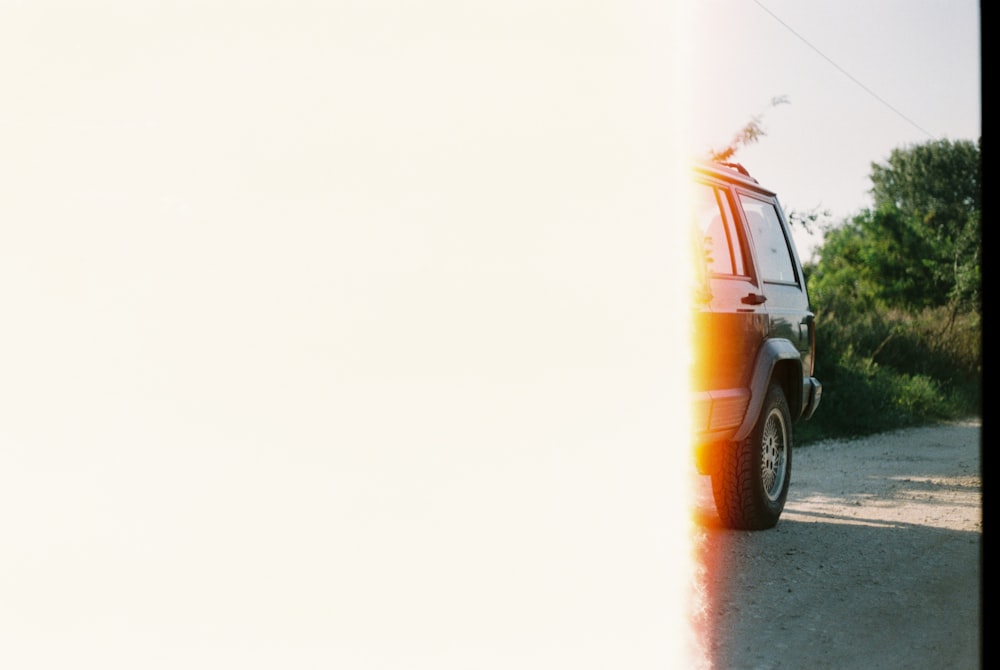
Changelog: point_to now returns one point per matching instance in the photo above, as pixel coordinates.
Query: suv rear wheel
(751, 484)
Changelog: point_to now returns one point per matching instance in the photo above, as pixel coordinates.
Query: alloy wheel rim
(774, 454)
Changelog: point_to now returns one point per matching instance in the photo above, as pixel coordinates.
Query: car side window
(713, 219)
(774, 256)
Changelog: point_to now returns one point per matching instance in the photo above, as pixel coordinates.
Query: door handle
(753, 299)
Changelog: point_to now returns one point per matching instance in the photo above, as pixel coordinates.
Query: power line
(845, 72)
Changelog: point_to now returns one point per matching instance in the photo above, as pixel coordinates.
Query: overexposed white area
(341, 335)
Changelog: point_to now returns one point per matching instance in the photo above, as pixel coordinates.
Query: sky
(861, 79)
(350, 334)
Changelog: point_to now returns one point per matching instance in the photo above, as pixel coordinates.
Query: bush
(887, 370)
(898, 297)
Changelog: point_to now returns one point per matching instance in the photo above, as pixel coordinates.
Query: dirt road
(875, 563)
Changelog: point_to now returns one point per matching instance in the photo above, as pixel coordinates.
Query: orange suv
(754, 345)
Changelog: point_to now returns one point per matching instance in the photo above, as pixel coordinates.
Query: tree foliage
(937, 188)
(896, 290)
(937, 183)
(921, 244)
(878, 259)
(745, 136)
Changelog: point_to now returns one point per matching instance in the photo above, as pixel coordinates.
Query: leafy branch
(747, 135)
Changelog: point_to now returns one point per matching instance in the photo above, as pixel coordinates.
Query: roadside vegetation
(898, 299)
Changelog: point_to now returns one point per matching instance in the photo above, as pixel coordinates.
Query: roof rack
(739, 168)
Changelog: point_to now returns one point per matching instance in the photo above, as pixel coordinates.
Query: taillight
(812, 346)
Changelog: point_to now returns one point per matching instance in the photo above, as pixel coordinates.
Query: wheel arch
(778, 361)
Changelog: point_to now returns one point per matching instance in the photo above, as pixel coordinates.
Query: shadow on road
(877, 571)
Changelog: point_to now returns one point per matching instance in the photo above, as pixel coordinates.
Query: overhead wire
(845, 72)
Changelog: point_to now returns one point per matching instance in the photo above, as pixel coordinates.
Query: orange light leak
(692, 643)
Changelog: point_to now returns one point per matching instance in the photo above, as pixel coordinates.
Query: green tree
(920, 246)
(936, 189)
(877, 259)
(897, 295)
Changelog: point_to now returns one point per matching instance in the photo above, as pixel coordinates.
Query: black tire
(750, 484)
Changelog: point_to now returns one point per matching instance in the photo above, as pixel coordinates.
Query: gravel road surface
(875, 563)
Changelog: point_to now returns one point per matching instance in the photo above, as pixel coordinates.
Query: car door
(783, 285)
(729, 316)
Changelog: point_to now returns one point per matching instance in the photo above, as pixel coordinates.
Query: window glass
(735, 243)
(774, 258)
(713, 221)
